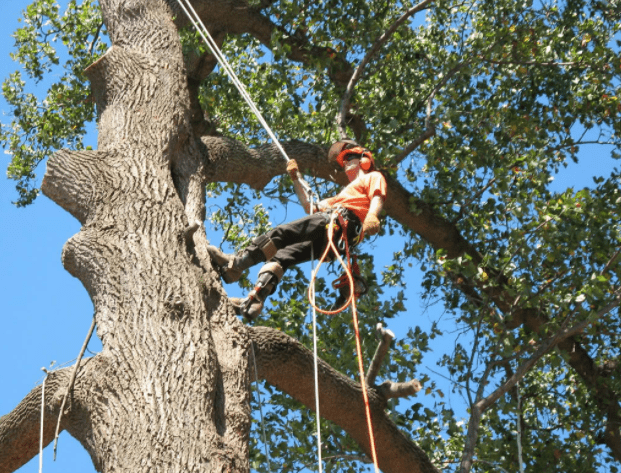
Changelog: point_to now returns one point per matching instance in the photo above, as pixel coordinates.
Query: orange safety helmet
(341, 149)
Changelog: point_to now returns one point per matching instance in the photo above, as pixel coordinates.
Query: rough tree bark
(170, 389)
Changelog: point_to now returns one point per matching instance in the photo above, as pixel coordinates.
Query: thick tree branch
(231, 161)
(285, 363)
(20, 428)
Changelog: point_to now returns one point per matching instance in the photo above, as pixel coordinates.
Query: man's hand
(300, 186)
(292, 169)
(371, 225)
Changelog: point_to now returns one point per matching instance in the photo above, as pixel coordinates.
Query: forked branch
(388, 389)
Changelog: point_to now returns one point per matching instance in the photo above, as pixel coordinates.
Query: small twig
(543, 64)
(92, 45)
(472, 434)
(71, 382)
(610, 261)
(526, 235)
(340, 118)
(450, 380)
(428, 133)
(430, 129)
(472, 355)
(495, 465)
(469, 202)
(228, 229)
(359, 458)
(380, 353)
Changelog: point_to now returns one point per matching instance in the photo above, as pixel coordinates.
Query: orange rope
(332, 246)
(351, 301)
(365, 395)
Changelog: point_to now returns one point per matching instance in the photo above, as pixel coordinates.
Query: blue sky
(46, 312)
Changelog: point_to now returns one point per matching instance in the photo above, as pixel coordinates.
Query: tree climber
(289, 244)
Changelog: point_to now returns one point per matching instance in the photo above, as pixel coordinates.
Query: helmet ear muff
(366, 162)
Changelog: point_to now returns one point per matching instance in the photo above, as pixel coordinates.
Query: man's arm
(376, 206)
(371, 224)
(300, 189)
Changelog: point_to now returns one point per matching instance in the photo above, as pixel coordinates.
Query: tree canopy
(471, 110)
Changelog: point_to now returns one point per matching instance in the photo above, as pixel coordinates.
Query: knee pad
(266, 245)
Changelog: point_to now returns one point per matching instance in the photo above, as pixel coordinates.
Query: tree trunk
(171, 391)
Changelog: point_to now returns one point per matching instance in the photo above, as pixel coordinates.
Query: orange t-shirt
(358, 194)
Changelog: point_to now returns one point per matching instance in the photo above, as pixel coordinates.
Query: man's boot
(270, 275)
(232, 266)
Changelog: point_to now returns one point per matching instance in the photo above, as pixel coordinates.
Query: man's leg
(305, 237)
(269, 276)
(271, 273)
(232, 266)
(265, 247)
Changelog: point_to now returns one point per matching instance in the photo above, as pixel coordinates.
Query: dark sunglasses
(349, 157)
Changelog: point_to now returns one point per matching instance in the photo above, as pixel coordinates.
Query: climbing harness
(215, 50)
(341, 284)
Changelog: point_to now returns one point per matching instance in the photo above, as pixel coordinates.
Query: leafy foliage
(42, 126)
(516, 91)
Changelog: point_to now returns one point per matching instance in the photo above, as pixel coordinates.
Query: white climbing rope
(256, 381)
(215, 50)
(42, 417)
(315, 357)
